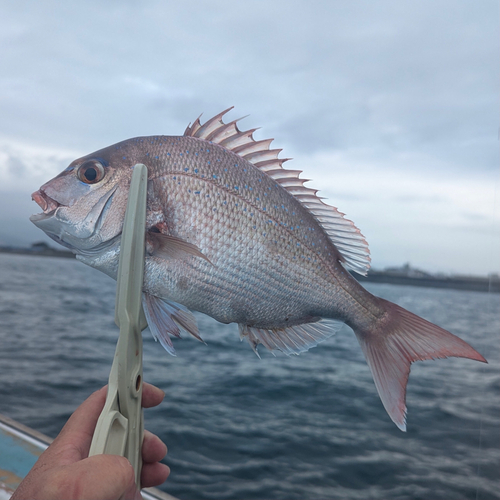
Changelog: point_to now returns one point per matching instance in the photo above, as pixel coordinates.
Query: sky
(390, 107)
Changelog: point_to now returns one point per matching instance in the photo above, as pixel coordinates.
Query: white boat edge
(34, 443)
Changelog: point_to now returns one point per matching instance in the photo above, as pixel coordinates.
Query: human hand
(66, 472)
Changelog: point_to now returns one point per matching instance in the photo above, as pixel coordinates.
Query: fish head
(84, 206)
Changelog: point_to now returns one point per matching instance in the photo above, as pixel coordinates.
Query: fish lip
(46, 203)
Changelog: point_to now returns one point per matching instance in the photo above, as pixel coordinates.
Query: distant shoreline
(471, 283)
(398, 276)
(42, 251)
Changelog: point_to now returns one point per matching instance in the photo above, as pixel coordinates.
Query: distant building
(40, 246)
(407, 270)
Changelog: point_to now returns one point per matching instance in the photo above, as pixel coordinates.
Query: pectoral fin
(170, 247)
(167, 318)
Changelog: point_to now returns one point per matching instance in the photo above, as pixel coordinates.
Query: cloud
(434, 220)
(392, 90)
(24, 166)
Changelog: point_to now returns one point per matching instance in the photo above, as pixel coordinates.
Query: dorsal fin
(341, 231)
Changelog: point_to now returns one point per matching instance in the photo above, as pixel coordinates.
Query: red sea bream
(233, 234)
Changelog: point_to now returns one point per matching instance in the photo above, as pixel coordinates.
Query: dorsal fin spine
(266, 154)
(238, 139)
(253, 147)
(269, 165)
(281, 172)
(191, 129)
(222, 133)
(209, 126)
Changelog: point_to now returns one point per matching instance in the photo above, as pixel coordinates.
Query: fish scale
(265, 233)
(233, 234)
(210, 169)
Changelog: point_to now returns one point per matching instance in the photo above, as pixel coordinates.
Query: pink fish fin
(167, 318)
(170, 247)
(342, 232)
(205, 130)
(400, 339)
(290, 340)
(192, 129)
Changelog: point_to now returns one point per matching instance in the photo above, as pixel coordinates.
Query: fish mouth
(46, 203)
(60, 229)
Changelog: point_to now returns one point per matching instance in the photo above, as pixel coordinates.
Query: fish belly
(270, 294)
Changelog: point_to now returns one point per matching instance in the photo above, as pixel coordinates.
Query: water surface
(309, 426)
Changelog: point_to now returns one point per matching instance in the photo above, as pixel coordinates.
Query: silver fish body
(234, 235)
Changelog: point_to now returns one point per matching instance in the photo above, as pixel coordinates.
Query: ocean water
(308, 426)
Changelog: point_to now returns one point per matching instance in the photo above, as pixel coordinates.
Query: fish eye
(91, 172)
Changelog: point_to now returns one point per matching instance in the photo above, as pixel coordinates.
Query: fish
(233, 234)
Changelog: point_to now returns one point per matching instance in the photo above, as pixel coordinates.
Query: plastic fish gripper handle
(120, 427)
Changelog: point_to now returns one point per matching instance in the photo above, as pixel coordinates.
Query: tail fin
(398, 340)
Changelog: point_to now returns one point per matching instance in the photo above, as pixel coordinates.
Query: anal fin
(290, 340)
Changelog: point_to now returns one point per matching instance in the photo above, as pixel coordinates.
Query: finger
(154, 474)
(151, 395)
(153, 448)
(73, 442)
(85, 416)
(97, 477)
